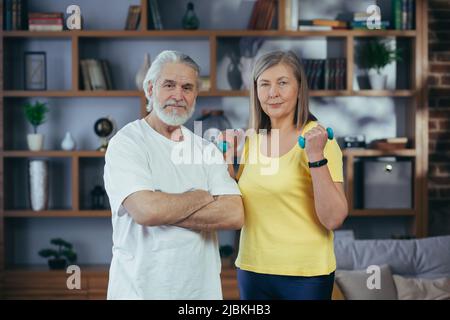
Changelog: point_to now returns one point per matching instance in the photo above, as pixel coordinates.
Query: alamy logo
(74, 280)
(374, 280)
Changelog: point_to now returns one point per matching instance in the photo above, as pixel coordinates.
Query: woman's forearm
(330, 202)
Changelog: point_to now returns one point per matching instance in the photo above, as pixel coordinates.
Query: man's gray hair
(167, 56)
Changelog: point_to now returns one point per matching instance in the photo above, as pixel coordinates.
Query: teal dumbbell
(222, 145)
(302, 141)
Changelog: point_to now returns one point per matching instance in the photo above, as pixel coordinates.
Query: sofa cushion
(427, 258)
(422, 289)
(353, 285)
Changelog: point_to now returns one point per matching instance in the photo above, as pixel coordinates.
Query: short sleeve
(126, 171)
(243, 159)
(333, 154)
(219, 179)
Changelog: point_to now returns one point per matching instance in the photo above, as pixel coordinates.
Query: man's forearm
(160, 208)
(227, 212)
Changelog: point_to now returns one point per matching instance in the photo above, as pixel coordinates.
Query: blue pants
(259, 286)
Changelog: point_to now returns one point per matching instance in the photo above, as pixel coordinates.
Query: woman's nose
(273, 91)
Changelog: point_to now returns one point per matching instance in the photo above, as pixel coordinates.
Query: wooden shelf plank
(52, 154)
(57, 214)
(44, 153)
(206, 33)
(381, 212)
(80, 93)
(384, 93)
(45, 271)
(71, 93)
(378, 153)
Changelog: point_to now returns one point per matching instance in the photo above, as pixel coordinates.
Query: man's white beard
(172, 118)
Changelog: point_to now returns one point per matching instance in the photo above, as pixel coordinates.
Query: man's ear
(150, 88)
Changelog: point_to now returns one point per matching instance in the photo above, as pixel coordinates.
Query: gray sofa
(410, 269)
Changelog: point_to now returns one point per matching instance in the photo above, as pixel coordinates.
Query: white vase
(68, 142)
(35, 141)
(377, 81)
(38, 180)
(142, 72)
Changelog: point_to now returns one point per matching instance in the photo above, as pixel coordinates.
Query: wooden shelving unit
(418, 121)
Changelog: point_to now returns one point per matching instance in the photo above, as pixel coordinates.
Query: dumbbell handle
(222, 145)
(302, 141)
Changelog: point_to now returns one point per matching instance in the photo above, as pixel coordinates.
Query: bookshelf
(207, 45)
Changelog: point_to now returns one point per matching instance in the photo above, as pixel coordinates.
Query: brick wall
(439, 116)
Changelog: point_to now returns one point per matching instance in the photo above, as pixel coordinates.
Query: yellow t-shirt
(282, 234)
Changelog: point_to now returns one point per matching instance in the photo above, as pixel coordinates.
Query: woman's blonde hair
(258, 118)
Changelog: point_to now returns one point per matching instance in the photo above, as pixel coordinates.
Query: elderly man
(165, 212)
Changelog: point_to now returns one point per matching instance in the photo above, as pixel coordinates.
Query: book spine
(14, 15)
(33, 15)
(397, 14)
(153, 14)
(404, 14)
(252, 22)
(326, 74)
(85, 75)
(19, 15)
(411, 14)
(158, 16)
(44, 27)
(45, 21)
(8, 19)
(294, 14)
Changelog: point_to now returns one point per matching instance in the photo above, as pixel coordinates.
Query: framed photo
(35, 69)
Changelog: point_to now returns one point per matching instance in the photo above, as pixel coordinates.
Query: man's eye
(283, 83)
(169, 85)
(263, 84)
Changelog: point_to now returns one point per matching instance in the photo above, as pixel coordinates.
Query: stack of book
(45, 21)
(155, 16)
(15, 14)
(96, 74)
(133, 18)
(321, 25)
(262, 15)
(360, 22)
(325, 74)
(403, 14)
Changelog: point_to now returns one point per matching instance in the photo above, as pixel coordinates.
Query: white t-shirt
(162, 262)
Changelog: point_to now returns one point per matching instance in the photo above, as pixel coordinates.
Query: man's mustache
(175, 103)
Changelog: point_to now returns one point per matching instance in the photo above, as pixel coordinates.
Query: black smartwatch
(317, 164)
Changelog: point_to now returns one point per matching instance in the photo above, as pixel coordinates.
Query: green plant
(64, 251)
(376, 54)
(35, 113)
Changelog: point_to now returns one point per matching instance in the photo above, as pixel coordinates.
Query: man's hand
(226, 212)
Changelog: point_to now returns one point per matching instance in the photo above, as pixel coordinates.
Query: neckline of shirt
(307, 126)
(163, 138)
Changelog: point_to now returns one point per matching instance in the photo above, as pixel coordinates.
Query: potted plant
(61, 256)
(374, 56)
(35, 114)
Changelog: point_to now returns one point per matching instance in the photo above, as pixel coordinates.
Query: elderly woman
(286, 246)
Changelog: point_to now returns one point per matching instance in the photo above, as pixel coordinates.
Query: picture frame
(35, 70)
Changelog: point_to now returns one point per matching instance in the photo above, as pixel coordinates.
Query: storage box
(384, 183)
